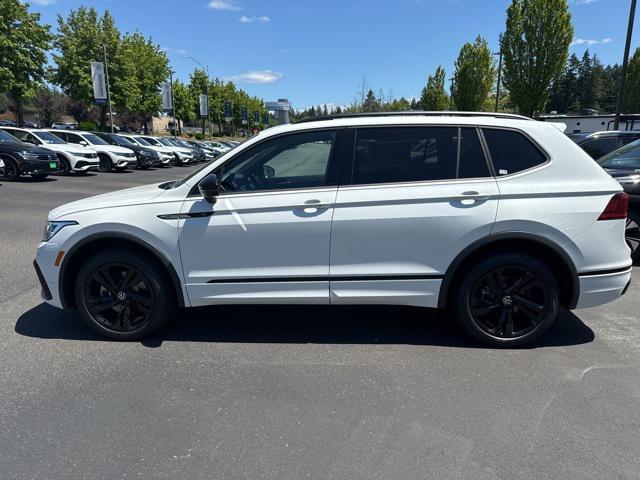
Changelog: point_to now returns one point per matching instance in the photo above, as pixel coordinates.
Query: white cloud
(262, 19)
(224, 5)
(255, 76)
(179, 51)
(583, 2)
(590, 41)
(43, 3)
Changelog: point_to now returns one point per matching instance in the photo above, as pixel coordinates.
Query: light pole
(499, 78)
(625, 62)
(173, 105)
(106, 76)
(206, 67)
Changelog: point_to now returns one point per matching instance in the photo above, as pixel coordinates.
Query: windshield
(49, 138)
(166, 141)
(123, 141)
(7, 138)
(627, 157)
(151, 141)
(92, 138)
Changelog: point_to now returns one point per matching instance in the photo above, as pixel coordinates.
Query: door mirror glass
(209, 189)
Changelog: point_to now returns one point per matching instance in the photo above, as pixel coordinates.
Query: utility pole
(206, 67)
(106, 76)
(625, 62)
(173, 105)
(499, 78)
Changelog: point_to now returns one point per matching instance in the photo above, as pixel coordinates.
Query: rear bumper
(600, 288)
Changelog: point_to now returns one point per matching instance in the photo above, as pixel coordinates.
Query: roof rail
(403, 113)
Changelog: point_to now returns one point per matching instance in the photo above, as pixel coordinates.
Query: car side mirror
(83, 142)
(209, 188)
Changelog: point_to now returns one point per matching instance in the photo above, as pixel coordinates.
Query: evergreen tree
(370, 102)
(631, 99)
(434, 96)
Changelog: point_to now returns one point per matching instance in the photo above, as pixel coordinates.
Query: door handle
(473, 195)
(314, 204)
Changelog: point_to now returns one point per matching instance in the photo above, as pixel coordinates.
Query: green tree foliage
(610, 86)
(50, 104)
(79, 41)
(434, 96)
(535, 46)
(23, 48)
(370, 104)
(148, 69)
(198, 81)
(184, 104)
(474, 75)
(631, 99)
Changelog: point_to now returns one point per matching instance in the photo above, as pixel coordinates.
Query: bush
(89, 125)
(199, 136)
(189, 134)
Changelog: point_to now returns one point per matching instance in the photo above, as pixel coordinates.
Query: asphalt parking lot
(304, 392)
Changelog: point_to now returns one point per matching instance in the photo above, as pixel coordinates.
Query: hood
(119, 198)
(116, 148)
(23, 147)
(68, 147)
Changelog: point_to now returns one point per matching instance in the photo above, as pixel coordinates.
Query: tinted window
(73, 138)
(626, 157)
(511, 151)
(7, 138)
(600, 146)
(405, 154)
(627, 139)
(472, 161)
(298, 160)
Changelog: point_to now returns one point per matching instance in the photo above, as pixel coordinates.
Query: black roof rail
(416, 113)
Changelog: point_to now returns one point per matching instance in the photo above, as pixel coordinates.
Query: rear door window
(472, 163)
(511, 151)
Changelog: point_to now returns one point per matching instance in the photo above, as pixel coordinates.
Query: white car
(471, 212)
(182, 154)
(166, 155)
(64, 126)
(73, 158)
(111, 157)
(218, 146)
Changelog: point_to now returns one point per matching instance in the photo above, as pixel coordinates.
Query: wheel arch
(73, 259)
(557, 259)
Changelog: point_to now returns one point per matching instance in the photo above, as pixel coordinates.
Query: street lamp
(206, 67)
(499, 78)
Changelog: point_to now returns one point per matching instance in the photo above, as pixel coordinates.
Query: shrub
(189, 134)
(89, 125)
(199, 136)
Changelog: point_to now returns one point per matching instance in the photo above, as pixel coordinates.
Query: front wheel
(122, 295)
(507, 300)
(11, 170)
(632, 235)
(104, 164)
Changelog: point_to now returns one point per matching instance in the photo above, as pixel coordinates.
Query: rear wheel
(11, 170)
(632, 235)
(507, 300)
(122, 295)
(104, 163)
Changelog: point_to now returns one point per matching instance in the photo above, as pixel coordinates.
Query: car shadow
(28, 179)
(299, 324)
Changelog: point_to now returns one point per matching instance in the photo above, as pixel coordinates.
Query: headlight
(54, 227)
(29, 156)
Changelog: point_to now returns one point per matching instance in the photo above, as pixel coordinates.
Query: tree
(183, 104)
(198, 82)
(474, 75)
(563, 95)
(50, 104)
(610, 85)
(370, 102)
(149, 68)
(80, 40)
(23, 53)
(434, 96)
(535, 46)
(631, 99)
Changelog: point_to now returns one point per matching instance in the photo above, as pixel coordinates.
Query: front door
(415, 197)
(266, 239)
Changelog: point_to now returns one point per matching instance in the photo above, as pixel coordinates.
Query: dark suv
(20, 158)
(147, 157)
(599, 144)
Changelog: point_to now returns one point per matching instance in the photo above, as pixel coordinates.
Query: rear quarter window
(511, 151)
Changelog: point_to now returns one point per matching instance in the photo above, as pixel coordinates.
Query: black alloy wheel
(632, 235)
(104, 163)
(65, 166)
(11, 170)
(508, 300)
(124, 295)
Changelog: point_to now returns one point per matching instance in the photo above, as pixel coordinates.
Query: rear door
(413, 199)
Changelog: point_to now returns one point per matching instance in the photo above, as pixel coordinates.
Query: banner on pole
(99, 82)
(245, 115)
(228, 111)
(167, 104)
(265, 119)
(256, 117)
(204, 106)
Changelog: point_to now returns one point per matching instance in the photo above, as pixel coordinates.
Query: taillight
(617, 207)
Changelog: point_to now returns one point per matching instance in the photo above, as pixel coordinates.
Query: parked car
(182, 155)
(73, 158)
(167, 156)
(599, 144)
(64, 126)
(199, 152)
(624, 166)
(471, 212)
(28, 124)
(7, 123)
(111, 157)
(218, 145)
(19, 158)
(145, 156)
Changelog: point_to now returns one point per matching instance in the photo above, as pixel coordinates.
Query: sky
(318, 51)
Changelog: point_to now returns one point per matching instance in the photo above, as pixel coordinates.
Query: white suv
(112, 157)
(78, 159)
(500, 218)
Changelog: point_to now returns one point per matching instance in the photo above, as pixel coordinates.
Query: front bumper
(83, 164)
(35, 167)
(45, 293)
(124, 162)
(600, 288)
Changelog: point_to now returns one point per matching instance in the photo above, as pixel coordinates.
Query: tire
(65, 166)
(116, 307)
(11, 170)
(632, 235)
(492, 305)
(104, 163)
